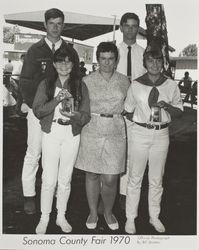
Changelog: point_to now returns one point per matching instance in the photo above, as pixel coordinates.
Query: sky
(181, 16)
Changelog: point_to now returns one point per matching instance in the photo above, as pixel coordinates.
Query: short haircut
(129, 15)
(154, 51)
(22, 56)
(107, 47)
(53, 13)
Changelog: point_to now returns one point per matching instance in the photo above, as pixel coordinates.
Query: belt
(107, 115)
(153, 126)
(62, 122)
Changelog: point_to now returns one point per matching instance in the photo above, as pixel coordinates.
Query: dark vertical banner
(157, 31)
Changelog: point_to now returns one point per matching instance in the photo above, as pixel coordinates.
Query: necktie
(129, 62)
(153, 97)
(53, 48)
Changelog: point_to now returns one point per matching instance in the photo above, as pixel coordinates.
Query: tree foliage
(157, 32)
(190, 50)
(9, 32)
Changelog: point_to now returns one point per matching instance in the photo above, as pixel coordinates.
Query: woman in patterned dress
(103, 139)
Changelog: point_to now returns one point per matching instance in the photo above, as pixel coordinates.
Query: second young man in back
(130, 64)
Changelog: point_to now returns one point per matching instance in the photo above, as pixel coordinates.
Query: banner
(24, 41)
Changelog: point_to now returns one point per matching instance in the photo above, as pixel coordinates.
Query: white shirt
(137, 68)
(8, 67)
(8, 99)
(17, 67)
(57, 44)
(137, 100)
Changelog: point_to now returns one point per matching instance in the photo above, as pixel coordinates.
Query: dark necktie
(153, 96)
(129, 62)
(53, 48)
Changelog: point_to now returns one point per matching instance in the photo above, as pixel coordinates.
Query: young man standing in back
(38, 64)
(130, 64)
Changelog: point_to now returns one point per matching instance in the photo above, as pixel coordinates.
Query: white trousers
(59, 152)
(33, 153)
(152, 146)
(124, 177)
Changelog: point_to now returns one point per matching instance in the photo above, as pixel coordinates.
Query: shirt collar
(124, 45)
(59, 84)
(144, 79)
(57, 44)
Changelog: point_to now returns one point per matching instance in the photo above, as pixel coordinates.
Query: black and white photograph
(99, 124)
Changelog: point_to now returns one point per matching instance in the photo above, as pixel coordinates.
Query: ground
(179, 198)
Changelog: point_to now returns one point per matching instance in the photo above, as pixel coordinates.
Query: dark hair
(59, 56)
(107, 47)
(129, 15)
(53, 13)
(82, 63)
(22, 56)
(153, 51)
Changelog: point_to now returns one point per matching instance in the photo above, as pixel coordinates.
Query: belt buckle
(63, 122)
(106, 115)
(159, 126)
(150, 126)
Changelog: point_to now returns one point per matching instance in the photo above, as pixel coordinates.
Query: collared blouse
(137, 100)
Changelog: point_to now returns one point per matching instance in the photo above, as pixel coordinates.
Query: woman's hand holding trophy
(63, 94)
(67, 103)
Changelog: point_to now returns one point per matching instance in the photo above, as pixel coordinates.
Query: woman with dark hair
(103, 139)
(62, 106)
(154, 99)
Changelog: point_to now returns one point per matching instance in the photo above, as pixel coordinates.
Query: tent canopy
(185, 62)
(77, 26)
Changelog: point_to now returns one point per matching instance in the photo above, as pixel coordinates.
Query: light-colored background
(181, 16)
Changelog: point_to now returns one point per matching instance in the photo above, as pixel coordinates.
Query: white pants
(152, 146)
(124, 177)
(59, 152)
(33, 153)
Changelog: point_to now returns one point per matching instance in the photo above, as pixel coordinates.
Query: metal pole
(114, 23)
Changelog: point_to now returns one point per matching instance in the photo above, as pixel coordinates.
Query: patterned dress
(103, 140)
